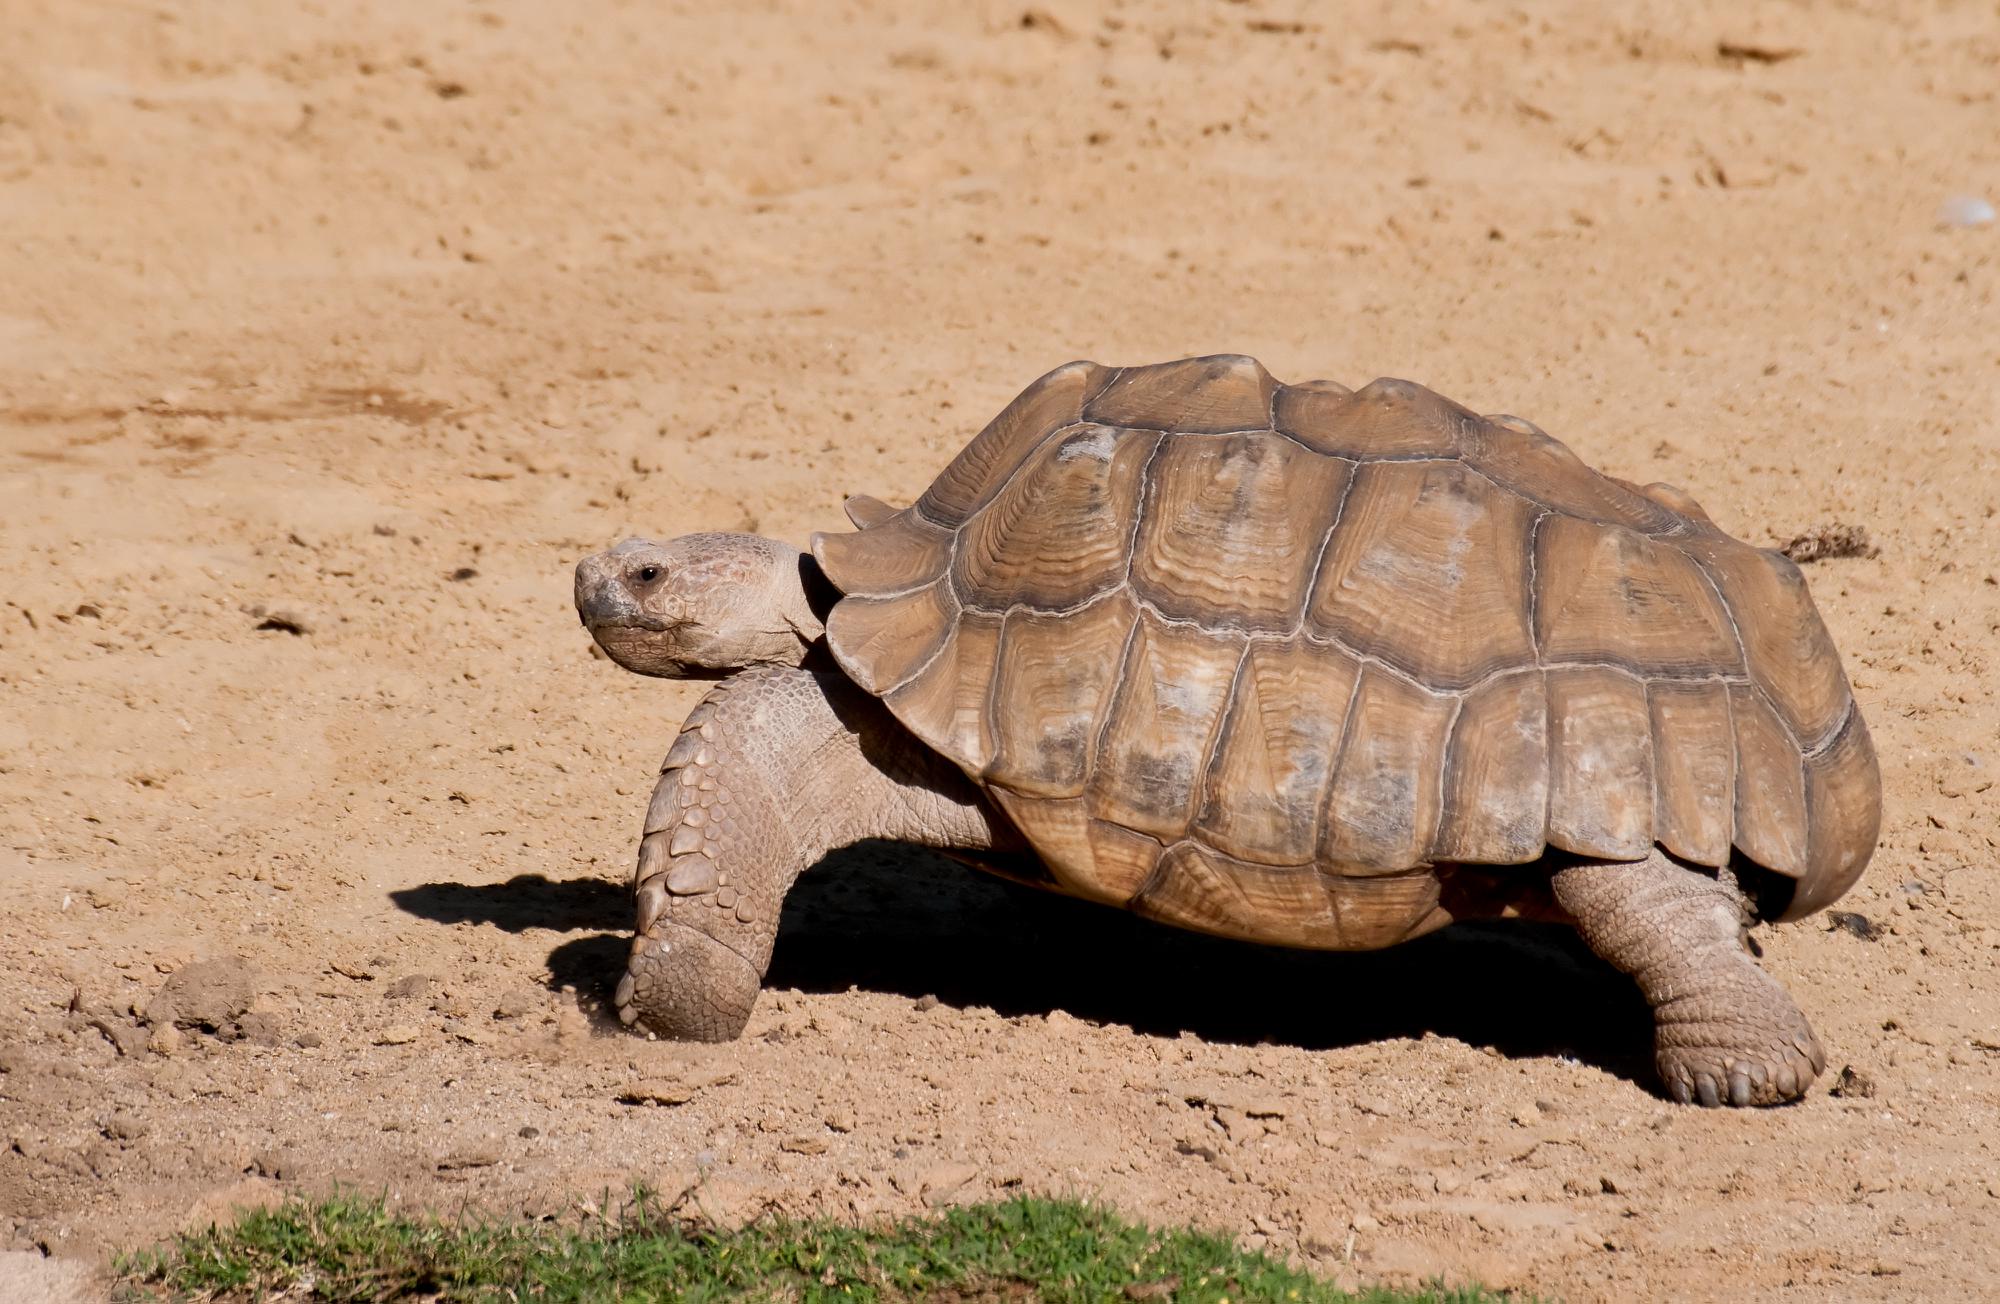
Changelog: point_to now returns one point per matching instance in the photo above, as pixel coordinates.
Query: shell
(1260, 659)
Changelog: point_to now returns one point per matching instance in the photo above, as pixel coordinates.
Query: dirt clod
(656, 1092)
(209, 995)
(1830, 540)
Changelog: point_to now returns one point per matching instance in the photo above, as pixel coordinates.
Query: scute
(1222, 392)
(1217, 509)
(1054, 401)
(1254, 658)
(1789, 653)
(945, 702)
(1610, 594)
(890, 639)
(1544, 470)
(1386, 419)
(1199, 888)
(1387, 791)
(1496, 777)
(1058, 532)
(1428, 572)
(1843, 816)
(1600, 763)
(899, 553)
(1053, 677)
(1694, 769)
(1280, 741)
(1158, 733)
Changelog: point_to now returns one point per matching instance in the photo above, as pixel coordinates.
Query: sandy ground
(331, 336)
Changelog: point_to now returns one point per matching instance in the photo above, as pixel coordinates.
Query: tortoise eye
(647, 574)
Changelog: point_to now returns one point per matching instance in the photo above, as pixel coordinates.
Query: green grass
(355, 1249)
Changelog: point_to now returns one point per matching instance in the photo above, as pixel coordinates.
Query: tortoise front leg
(775, 768)
(1725, 1032)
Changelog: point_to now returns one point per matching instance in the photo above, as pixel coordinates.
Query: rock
(209, 995)
(925, 1004)
(405, 988)
(397, 1034)
(278, 1165)
(1965, 211)
(1852, 1085)
(656, 1091)
(840, 1120)
(804, 1145)
(166, 1040)
(122, 1126)
(515, 1005)
(261, 1028)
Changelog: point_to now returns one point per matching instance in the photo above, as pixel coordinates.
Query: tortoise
(1294, 664)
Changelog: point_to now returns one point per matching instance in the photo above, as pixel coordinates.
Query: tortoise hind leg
(1725, 1032)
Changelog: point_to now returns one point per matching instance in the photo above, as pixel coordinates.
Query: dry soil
(331, 335)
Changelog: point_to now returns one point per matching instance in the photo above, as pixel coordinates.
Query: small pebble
(396, 1034)
(1965, 211)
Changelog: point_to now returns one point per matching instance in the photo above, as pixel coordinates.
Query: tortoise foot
(1745, 1072)
(686, 986)
(1725, 1032)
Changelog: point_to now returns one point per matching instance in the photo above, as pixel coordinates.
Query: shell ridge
(1112, 376)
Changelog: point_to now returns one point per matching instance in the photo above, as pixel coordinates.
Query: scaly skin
(776, 768)
(1725, 1032)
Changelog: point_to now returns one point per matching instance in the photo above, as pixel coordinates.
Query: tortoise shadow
(892, 918)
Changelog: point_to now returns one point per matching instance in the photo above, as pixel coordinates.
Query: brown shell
(1254, 658)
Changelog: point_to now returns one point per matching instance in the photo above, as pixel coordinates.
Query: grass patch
(353, 1248)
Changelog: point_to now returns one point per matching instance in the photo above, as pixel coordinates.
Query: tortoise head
(698, 607)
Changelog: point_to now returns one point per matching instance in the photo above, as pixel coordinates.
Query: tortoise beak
(604, 601)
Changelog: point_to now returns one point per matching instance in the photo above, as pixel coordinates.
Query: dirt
(331, 337)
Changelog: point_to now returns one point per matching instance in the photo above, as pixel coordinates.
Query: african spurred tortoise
(1287, 663)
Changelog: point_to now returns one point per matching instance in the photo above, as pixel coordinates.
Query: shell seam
(1324, 806)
